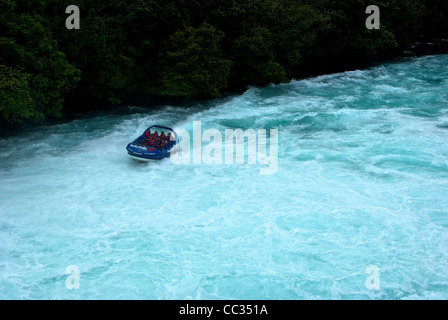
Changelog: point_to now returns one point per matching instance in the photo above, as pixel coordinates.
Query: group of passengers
(157, 141)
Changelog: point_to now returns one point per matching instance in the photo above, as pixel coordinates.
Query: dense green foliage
(34, 75)
(188, 48)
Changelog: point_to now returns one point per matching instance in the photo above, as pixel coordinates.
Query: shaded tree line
(138, 49)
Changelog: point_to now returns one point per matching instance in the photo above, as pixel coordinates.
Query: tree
(39, 74)
(16, 102)
(254, 59)
(193, 64)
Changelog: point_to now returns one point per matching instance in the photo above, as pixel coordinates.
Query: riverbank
(417, 49)
(129, 54)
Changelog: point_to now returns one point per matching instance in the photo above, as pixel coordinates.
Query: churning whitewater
(361, 185)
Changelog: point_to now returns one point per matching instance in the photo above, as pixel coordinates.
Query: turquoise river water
(362, 181)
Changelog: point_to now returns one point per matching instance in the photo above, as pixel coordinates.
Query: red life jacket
(151, 143)
(162, 136)
(163, 144)
(147, 133)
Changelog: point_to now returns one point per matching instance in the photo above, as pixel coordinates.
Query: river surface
(357, 208)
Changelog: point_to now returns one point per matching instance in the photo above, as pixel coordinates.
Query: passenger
(151, 142)
(158, 144)
(163, 144)
(146, 137)
(162, 135)
(168, 137)
(155, 134)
